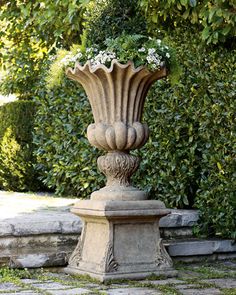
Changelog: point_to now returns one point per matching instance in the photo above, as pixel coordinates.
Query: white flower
(66, 59)
(73, 59)
(167, 55)
(141, 49)
(103, 57)
(78, 55)
(151, 50)
(158, 41)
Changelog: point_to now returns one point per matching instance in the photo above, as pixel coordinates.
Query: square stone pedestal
(120, 240)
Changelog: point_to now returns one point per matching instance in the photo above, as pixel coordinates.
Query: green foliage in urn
(16, 149)
(141, 50)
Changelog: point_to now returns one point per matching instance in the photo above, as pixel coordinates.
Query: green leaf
(206, 33)
(226, 30)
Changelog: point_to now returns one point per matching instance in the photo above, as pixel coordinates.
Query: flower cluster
(142, 51)
(103, 57)
(92, 54)
(71, 58)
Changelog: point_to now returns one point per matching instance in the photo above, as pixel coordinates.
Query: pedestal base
(120, 240)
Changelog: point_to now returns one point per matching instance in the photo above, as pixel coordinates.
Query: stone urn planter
(120, 238)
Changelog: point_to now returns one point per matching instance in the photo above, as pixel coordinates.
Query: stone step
(43, 238)
(197, 249)
(41, 222)
(178, 223)
(57, 251)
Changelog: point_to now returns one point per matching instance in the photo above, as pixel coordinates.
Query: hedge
(16, 147)
(189, 161)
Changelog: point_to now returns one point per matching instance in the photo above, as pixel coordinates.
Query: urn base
(120, 240)
(115, 193)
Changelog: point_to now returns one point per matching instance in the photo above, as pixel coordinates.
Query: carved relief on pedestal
(110, 263)
(163, 258)
(76, 256)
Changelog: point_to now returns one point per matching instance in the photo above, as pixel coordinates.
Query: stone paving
(193, 279)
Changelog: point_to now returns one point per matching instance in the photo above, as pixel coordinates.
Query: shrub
(16, 148)
(190, 158)
(66, 161)
(108, 19)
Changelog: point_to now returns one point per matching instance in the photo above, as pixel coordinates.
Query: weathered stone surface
(29, 281)
(6, 229)
(133, 291)
(180, 218)
(222, 283)
(210, 291)
(39, 260)
(117, 98)
(8, 287)
(41, 223)
(200, 247)
(188, 248)
(120, 239)
(50, 286)
(187, 286)
(74, 291)
(166, 282)
(49, 236)
(222, 246)
(176, 232)
(28, 244)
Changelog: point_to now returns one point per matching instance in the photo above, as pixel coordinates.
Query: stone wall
(47, 238)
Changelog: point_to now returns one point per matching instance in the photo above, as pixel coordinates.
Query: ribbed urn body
(116, 95)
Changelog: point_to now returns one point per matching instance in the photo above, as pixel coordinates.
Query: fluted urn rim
(114, 62)
(117, 96)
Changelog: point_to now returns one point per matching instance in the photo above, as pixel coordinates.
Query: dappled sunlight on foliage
(16, 148)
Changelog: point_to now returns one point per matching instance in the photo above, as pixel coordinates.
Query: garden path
(193, 279)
